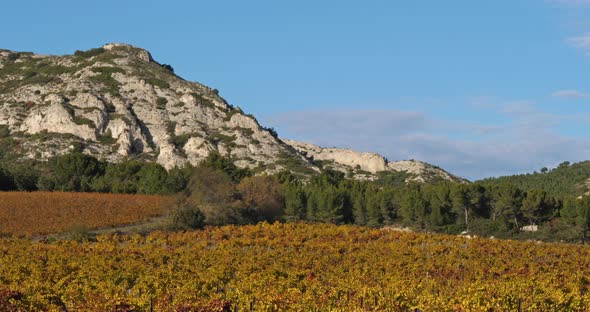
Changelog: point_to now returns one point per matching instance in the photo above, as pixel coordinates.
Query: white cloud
(524, 142)
(580, 42)
(570, 94)
(518, 108)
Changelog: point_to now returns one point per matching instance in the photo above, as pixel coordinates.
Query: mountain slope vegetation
(565, 180)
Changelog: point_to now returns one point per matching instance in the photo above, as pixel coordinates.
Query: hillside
(116, 102)
(565, 180)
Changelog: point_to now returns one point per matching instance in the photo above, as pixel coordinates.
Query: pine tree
(584, 217)
(505, 202)
(440, 203)
(359, 209)
(388, 205)
(294, 202)
(535, 206)
(461, 204)
(331, 204)
(414, 208)
(311, 205)
(374, 217)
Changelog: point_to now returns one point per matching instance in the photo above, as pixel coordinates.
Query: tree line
(566, 179)
(78, 172)
(217, 192)
(500, 209)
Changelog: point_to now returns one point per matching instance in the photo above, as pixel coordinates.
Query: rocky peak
(133, 51)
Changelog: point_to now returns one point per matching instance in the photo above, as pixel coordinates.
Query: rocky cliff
(117, 102)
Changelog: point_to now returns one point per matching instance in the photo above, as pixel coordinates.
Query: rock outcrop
(363, 165)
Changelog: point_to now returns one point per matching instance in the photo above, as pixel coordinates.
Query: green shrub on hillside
(79, 120)
(4, 131)
(161, 103)
(107, 70)
(105, 77)
(222, 138)
(89, 53)
(107, 138)
(157, 82)
(179, 141)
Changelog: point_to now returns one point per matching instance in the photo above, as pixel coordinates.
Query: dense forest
(217, 192)
(567, 179)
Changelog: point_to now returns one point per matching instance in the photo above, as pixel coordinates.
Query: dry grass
(38, 213)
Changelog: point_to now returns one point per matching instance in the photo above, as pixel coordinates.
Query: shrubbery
(161, 103)
(4, 131)
(158, 82)
(168, 67)
(213, 197)
(187, 218)
(78, 172)
(6, 180)
(89, 53)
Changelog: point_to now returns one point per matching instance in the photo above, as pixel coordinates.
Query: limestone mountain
(117, 102)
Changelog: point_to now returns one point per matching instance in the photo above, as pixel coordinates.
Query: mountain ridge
(116, 102)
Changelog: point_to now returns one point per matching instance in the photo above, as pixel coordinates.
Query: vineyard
(38, 213)
(294, 266)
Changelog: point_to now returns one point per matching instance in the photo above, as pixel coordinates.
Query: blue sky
(480, 88)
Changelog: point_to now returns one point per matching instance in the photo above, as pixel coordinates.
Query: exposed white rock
(140, 53)
(369, 162)
(55, 118)
(125, 142)
(239, 120)
(349, 161)
(197, 149)
(168, 158)
(530, 228)
(420, 169)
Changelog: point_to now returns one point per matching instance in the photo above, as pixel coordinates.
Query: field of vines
(39, 213)
(292, 267)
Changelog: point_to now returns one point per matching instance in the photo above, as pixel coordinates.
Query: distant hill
(565, 180)
(369, 166)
